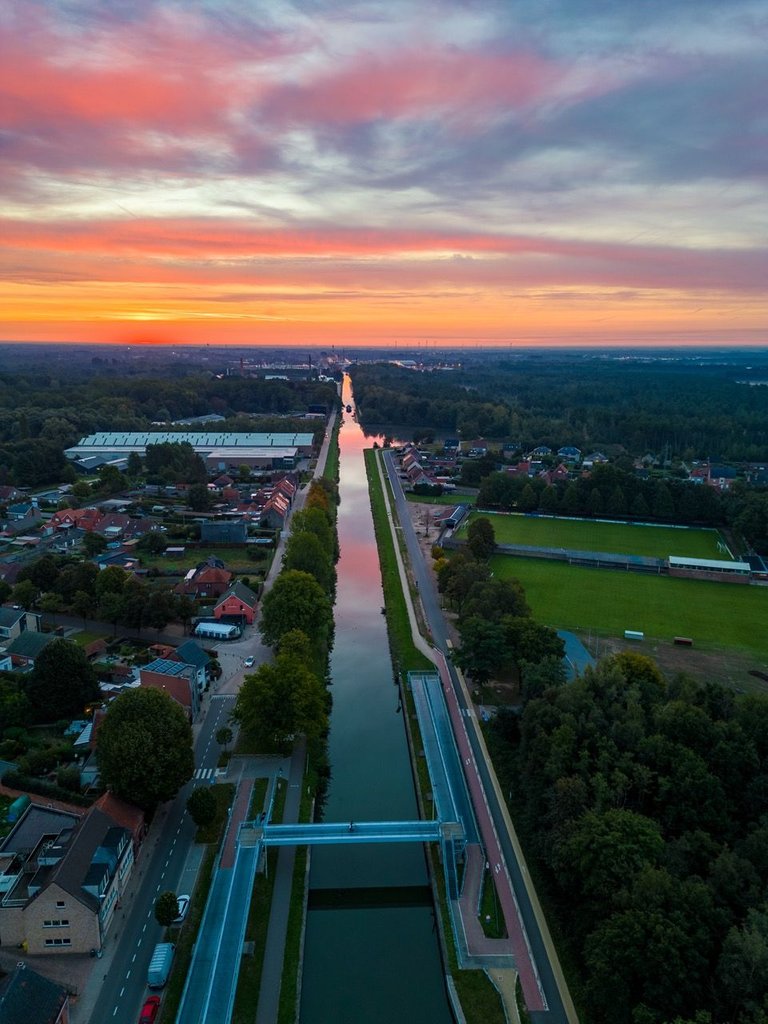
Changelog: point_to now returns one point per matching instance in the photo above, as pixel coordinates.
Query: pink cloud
(417, 83)
(222, 252)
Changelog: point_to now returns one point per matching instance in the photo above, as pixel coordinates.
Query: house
(178, 680)
(21, 510)
(124, 559)
(452, 445)
(26, 997)
(569, 453)
(125, 814)
(85, 518)
(540, 452)
(595, 459)
(224, 533)
(61, 877)
(191, 653)
(8, 493)
(239, 602)
(15, 621)
(524, 468)
(275, 512)
(722, 477)
(207, 579)
(9, 572)
(478, 447)
(27, 646)
(558, 475)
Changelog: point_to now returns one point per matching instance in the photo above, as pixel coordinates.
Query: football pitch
(610, 601)
(618, 538)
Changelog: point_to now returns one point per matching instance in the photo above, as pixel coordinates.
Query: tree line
(692, 410)
(642, 799)
(498, 634)
(288, 696)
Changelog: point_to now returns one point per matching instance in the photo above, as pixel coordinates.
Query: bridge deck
(336, 832)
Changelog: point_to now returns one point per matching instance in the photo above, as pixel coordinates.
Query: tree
(202, 806)
(94, 544)
(110, 609)
(481, 540)
(282, 699)
(51, 604)
(304, 551)
(297, 601)
(145, 747)
(484, 650)
(199, 497)
(62, 682)
(492, 599)
(224, 736)
(25, 593)
(111, 580)
(530, 641)
(154, 542)
(456, 577)
(166, 909)
(528, 501)
(134, 467)
(83, 604)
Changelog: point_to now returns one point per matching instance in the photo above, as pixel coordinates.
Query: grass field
(619, 538)
(608, 601)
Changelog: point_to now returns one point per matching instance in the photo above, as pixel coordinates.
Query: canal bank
(367, 959)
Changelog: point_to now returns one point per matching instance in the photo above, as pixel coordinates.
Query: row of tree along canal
(371, 949)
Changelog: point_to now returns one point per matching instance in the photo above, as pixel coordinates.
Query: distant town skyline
(367, 174)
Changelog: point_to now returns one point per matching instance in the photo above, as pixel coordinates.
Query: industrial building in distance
(219, 451)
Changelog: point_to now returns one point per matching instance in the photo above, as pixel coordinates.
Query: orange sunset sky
(355, 172)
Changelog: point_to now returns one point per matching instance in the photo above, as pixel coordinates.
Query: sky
(441, 172)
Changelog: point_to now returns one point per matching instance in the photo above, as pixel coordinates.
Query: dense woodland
(644, 800)
(699, 411)
(42, 414)
(620, 417)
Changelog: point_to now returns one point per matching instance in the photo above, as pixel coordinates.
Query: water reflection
(375, 964)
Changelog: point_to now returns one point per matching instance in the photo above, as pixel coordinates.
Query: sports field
(618, 538)
(662, 607)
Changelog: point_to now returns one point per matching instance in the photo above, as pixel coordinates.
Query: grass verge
(331, 468)
(491, 919)
(404, 652)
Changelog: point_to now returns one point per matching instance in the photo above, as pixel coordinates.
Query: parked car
(183, 904)
(249, 661)
(150, 1010)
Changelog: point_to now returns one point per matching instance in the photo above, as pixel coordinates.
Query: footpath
(503, 978)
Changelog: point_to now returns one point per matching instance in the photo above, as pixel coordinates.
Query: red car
(149, 1010)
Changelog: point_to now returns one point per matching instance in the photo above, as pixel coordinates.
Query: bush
(18, 780)
(437, 552)
(69, 778)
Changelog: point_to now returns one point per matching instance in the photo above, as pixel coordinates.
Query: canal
(371, 952)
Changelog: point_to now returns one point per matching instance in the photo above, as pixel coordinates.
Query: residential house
(541, 451)
(722, 478)
(232, 532)
(27, 524)
(15, 621)
(239, 602)
(478, 447)
(8, 493)
(26, 997)
(559, 475)
(191, 653)
(84, 518)
(9, 571)
(595, 459)
(61, 878)
(27, 646)
(275, 512)
(524, 468)
(207, 579)
(122, 813)
(569, 453)
(21, 510)
(452, 445)
(178, 680)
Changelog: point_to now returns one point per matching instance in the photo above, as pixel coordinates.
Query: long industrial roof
(127, 442)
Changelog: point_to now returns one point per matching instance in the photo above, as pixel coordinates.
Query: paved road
(556, 1012)
(118, 985)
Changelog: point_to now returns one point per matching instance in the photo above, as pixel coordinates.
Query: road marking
(121, 991)
(128, 974)
(203, 773)
(133, 958)
(143, 929)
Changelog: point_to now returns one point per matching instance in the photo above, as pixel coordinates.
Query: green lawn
(662, 607)
(443, 499)
(619, 538)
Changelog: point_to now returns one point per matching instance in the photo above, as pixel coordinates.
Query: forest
(41, 414)
(643, 801)
(690, 410)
